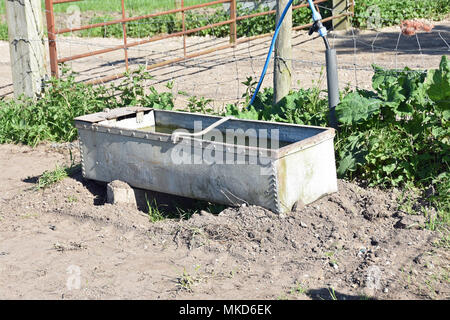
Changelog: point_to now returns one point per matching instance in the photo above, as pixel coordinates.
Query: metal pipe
(177, 134)
(333, 85)
(331, 62)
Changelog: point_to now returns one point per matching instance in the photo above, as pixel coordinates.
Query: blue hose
(322, 31)
(272, 45)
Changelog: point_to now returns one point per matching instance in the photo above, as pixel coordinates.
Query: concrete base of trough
(119, 192)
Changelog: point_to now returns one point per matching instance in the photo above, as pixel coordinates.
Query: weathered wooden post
(283, 54)
(339, 7)
(26, 45)
(233, 28)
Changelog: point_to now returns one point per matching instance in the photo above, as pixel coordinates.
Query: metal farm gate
(53, 32)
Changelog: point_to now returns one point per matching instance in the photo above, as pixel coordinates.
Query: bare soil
(355, 243)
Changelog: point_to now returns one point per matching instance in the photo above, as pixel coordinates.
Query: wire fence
(219, 75)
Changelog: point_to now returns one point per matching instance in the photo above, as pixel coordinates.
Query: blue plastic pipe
(272, 45)
(322, 31)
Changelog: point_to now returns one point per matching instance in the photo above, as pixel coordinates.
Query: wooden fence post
(341, 6)
(26, 46)
(283, 54)
(233, 29)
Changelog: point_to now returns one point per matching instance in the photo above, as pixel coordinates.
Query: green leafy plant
(50, 117)
(49, 178)
(400, 132)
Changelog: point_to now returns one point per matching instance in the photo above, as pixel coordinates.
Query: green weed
(50, 118)
(298, 289)
(49, 178)
(154, 213)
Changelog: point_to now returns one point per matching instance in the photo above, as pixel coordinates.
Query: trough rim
(92, 122)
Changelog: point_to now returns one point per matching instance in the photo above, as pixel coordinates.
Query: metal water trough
(118, 145)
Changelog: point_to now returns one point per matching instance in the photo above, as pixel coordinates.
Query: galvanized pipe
(333, 85)
(178, 134)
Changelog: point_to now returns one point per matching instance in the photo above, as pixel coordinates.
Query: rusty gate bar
(52, 32)
(51, 38)
(153, 39)
(204, 52)
(64, 1)
(151, 15)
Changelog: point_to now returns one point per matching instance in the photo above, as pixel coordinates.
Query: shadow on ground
(331, 294)
(436, 42)
(170, 206)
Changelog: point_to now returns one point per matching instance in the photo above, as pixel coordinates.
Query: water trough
(270, 164)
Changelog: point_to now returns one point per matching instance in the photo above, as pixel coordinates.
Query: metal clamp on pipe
(177, 134)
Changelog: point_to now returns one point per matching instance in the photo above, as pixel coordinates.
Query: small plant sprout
(332, 293)
(154, 213)
(49, 178)
(298, 288)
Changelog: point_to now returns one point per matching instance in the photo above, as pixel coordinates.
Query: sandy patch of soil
(64, 242)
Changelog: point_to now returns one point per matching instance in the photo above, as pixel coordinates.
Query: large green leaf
(355, 108)
(438, 83)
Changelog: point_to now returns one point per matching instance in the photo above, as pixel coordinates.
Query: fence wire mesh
(219, 75)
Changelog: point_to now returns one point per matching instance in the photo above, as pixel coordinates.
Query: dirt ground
(219, 75)
(64, 242)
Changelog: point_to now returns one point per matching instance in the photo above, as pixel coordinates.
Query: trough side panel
(307, 175)
(88, 151)
(152, 165)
